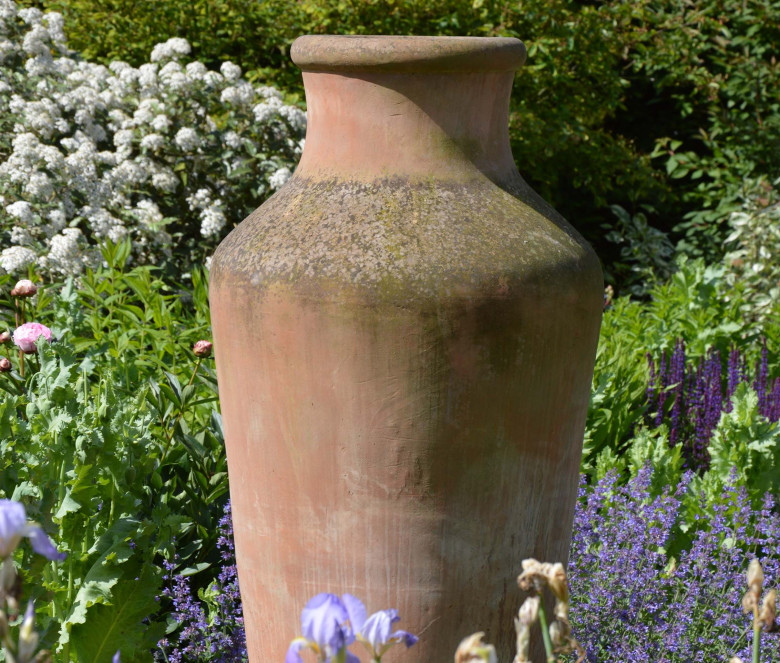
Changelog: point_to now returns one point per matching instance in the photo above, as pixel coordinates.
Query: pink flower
(26, 335)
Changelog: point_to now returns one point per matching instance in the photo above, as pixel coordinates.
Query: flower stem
(178, 416)
(548, 648)
(756, 635)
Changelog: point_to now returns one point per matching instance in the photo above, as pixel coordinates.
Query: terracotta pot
(405, 336)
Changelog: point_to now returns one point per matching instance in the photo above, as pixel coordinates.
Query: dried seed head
(202, 349)
(473, 649)
(755, 577)
(24, 288)
(561, 610)
(5, 365)
(28, 638)
(768, 610)
(556, 579)
(559, 632)
(523, 641)
(529, 611)
(749, 601)
(533, 576)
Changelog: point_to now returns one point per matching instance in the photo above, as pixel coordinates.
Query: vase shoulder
(397, 239)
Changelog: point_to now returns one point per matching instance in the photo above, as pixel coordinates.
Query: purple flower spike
(14, 527)
(116, 658)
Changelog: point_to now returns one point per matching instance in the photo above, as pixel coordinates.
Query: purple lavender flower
(14, 527)
(220, 634)
(644, 590)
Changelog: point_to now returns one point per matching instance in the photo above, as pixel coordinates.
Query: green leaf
(69, 505)
(119, 626)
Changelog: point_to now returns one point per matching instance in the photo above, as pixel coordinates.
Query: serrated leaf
(119, 626)
(69, 505)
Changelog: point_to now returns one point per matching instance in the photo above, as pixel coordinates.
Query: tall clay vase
(405, 336)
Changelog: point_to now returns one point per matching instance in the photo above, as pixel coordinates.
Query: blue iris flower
(327, 628)
(377, 633)
(330, 624)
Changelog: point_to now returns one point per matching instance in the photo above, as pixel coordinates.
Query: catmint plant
(210, 629)
(632, 600)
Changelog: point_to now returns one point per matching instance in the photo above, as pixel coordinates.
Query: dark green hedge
(666, 103)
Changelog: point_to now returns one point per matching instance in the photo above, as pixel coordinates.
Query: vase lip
(379, 53)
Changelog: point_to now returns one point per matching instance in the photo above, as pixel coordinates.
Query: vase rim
(379, 53)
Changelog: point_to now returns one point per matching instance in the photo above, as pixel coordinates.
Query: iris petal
(356, 611)
(404, 636)
(293, 655)
(42, 544)
(376, 630)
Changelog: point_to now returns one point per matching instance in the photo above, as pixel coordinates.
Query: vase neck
(376, 124)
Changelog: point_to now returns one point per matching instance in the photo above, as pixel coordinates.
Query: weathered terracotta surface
(405, 336)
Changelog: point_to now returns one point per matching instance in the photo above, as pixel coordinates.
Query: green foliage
(665, 102)
(111, 629)
(691, 306)
(113, 442)
(744, 452)
(646, 253)
(746, 441)
(754, 245)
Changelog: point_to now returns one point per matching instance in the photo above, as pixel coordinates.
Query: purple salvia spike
(733, 376)
(714, 403)
(699, 405)
(678, 383)
(762, 376)
(774, 401)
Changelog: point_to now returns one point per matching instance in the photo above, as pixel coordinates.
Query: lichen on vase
(405, 336)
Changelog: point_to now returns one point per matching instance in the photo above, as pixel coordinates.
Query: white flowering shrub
(754, 245)
(167, 155)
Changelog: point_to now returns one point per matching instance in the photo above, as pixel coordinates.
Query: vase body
(405, 336)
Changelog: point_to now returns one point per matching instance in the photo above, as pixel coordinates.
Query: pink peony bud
(24, 288)
(5, 337)
(202, 349)
(5, 365)
(26, 335)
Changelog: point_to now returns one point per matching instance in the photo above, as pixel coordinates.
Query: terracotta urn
(405, 336)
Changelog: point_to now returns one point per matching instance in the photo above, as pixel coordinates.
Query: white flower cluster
(754, 244)
(163, 154)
